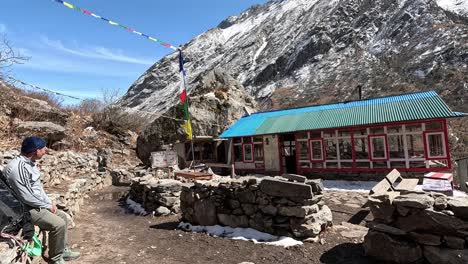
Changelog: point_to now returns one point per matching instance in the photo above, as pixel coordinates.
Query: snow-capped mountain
(290, 53)
(297, 52)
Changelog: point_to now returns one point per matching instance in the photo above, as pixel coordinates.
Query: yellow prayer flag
(153, 39)
(68, 5)
(113, 23)
(188, 129)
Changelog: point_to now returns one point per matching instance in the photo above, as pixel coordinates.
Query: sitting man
(23, 176)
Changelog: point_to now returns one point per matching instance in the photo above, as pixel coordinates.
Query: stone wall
(157, 196)
(272, 205)
(415, 226)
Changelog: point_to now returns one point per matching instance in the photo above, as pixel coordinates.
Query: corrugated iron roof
(406, 107)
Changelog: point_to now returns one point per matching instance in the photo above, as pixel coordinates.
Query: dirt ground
(106, 233)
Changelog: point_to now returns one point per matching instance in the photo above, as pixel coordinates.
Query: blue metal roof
(249, 125)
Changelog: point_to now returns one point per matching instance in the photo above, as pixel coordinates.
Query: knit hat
(31, 144)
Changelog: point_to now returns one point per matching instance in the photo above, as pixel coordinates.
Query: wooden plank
(381, 188)
(194, 175)
(393, 176)
(407, 185)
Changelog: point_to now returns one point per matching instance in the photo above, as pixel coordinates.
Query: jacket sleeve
(22, 187)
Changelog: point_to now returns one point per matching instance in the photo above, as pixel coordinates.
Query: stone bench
(394, 182)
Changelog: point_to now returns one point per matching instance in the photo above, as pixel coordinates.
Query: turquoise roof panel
(415, 106)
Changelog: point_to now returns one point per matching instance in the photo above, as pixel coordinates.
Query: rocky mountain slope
(290, 53)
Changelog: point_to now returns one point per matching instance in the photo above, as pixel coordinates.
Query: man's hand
(53, 208)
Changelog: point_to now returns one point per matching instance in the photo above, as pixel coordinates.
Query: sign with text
(163, 159)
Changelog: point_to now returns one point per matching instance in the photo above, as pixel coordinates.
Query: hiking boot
(60, 261)
(70, 255)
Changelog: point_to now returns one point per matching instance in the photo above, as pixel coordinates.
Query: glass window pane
(317, 165)
(362, 164)
(394, 129)
(316, 149)
(332, 164)
(303, 152)
(301, 136)
(435, 145)
(304, 164)
(329, 133)
(398, 164)
(247, 139)
(346, 164)
(417, 164)
(345, 149)
(258, 152)
(248, 153)
(361, 149)
(376, 130)
(360, 132)
(434, 126)
(438, 163)
(413, 128)
(315, 134)
(258, 139)
(237, 140)
(344, 133)
(396, 146)
(378, 147)
(379, 164)
(238, 153)
(330, 149)
(415, 146)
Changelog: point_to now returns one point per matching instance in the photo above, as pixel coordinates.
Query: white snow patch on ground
(135, 207)
(348, 186)
(246, 234)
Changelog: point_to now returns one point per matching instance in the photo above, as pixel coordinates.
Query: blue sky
(79, 55)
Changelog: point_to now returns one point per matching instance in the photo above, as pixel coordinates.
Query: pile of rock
(416, 226)
(273, 205)
(157, 196)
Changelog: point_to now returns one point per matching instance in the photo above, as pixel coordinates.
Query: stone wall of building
(273, 205)
(415, 226)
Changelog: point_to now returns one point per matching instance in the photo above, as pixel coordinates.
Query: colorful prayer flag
(183, 98)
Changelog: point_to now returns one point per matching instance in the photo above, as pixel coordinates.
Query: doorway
(288, 153)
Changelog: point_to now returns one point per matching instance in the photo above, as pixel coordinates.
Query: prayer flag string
(165, 44)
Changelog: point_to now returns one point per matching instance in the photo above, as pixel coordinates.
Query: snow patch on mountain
(459, 7)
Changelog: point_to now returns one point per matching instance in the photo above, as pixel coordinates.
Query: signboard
(163, 159)
(442, 182)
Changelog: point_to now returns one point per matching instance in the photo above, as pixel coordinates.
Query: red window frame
(309, 145)
(426, 144)
(243, 153)
(371, 150)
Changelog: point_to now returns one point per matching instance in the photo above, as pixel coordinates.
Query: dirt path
(105, 233)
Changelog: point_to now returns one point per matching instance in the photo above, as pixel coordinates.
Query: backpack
(13, 213)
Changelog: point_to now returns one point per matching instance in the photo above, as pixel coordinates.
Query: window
(415, 146)
(360, 148)
(316, 149)
(396, 146)
(434, 126)
(258, 152)
(248, 152)
(378, 147)
(345, 146)
(435, 145)
(330, 149)
(303, 153)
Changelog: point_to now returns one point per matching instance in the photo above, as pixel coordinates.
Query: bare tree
(8, 56)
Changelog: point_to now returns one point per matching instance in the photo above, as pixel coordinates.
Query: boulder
(49, 131)
(286, 189)
(430, 221)
(317, 185)
(459, 206)
(454, 242)
(161, 210)
(387, 248)
(294, 177)
(381, 206)
(412, 200)
(387, 229)
(297, 211)
(438, 255)
(426, 239)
